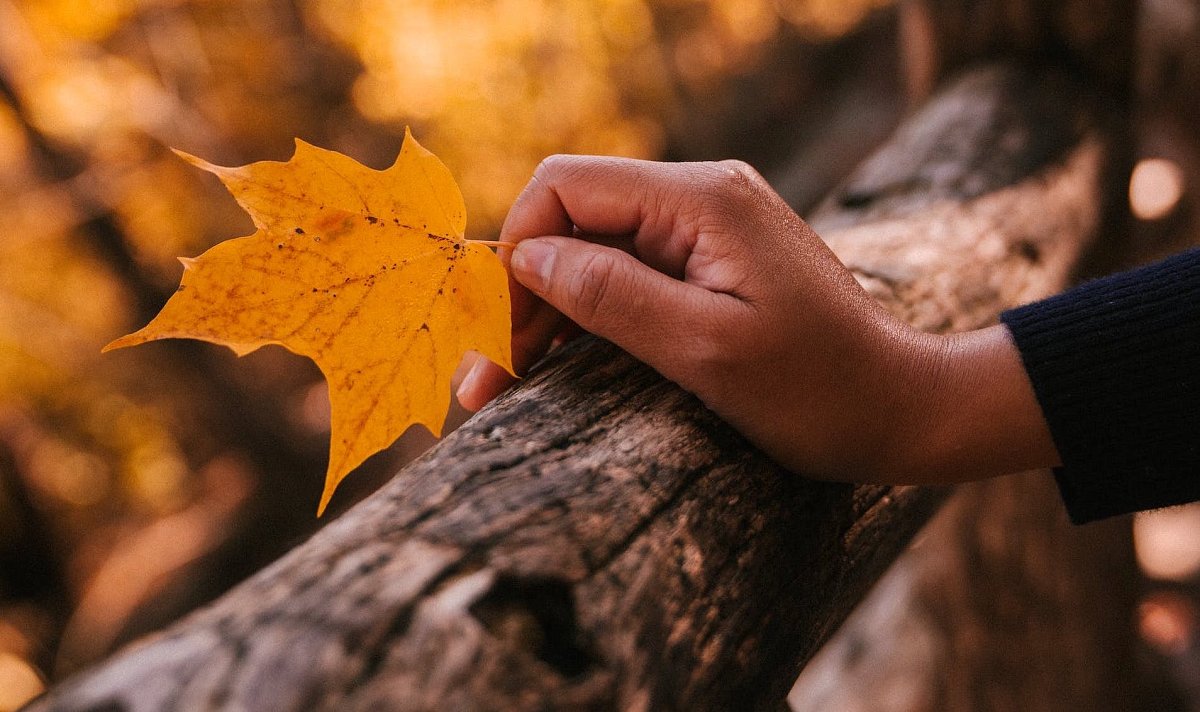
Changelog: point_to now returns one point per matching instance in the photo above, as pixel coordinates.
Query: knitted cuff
(1115, 365)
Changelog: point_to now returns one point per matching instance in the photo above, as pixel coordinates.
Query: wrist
(974, 413)
(888, 404)
(917, 369)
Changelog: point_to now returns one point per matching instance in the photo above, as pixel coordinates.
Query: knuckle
(562, 170)
(735, 167)
(733, 185)
(739, 202)
(741, 176)
(590, 287)
(550, 167)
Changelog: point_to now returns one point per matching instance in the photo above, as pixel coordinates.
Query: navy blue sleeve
(1115, 364)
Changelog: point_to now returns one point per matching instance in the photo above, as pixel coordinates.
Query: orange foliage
(94, 452)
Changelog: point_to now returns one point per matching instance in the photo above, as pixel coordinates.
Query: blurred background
(137, 485)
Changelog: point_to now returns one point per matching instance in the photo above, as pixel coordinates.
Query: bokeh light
(1155, 188)
(1167, 542)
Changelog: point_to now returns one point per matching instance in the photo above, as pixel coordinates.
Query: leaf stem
(494, 243)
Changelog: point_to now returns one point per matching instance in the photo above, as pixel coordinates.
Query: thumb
(613, 295)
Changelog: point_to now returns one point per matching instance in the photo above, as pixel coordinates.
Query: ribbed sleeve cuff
(1115, 364)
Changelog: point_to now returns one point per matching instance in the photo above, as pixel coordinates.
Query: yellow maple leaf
(366, 272)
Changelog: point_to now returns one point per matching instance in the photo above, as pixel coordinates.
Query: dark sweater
(1115, 364)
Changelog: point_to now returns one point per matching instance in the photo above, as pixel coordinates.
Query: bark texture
(596, 539)
(1001, 605)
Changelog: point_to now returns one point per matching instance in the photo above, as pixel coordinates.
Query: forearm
(1100, 382)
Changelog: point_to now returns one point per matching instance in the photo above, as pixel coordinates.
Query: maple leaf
(366, 272)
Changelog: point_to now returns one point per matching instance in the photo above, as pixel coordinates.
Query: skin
(703, 272)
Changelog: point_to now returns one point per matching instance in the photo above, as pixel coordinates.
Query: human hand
(701, 271)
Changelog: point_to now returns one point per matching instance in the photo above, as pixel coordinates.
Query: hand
(701, 271)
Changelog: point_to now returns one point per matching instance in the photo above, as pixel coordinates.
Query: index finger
(607, 196)
(598, 198)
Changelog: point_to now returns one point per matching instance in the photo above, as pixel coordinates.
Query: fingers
(608, 292)
(605, 291)
(662, 209)
(664, 213)
(486, 380)
(594, 194)
(530, 341)
(482, 383)
(686, 221)
(539, 211)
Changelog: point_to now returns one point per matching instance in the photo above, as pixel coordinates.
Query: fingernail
(532, 262)
(468, 382)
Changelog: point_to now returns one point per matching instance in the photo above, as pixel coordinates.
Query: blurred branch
(32, 568)
(1092, 38)
(100, 230)
(257, 429)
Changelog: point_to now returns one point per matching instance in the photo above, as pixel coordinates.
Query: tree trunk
(596, 539)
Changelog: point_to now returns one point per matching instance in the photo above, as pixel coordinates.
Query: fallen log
(597, 540)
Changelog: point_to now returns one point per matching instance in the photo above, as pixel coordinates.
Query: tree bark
(1002, 605)
(596, 539)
